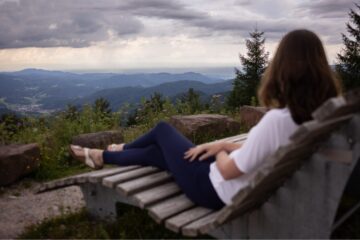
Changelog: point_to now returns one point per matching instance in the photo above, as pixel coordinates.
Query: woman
(297, 82)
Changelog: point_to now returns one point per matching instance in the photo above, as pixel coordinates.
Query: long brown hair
(299, 76)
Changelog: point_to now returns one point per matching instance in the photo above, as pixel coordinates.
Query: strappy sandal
(113, 147)
(88, 160)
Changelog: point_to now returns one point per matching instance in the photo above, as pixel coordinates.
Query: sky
(119, 35)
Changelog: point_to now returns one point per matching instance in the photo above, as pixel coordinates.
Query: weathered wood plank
(240, 141)
(313, 130)
(199, 226)
(340, 106)
(97, 176)
(163, 210)
(93, 176)
(305, 205)
(225, 213)
(291, 154)
(63, 182)
(113, 180)
(339, 155)
(156, 194)
(142, 183)
(234, 138)
(266, 181)
(175, 223)
(329, 108)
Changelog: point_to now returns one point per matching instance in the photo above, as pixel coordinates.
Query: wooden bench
(296, 194)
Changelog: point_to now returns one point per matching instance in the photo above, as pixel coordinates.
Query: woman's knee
(163, 126)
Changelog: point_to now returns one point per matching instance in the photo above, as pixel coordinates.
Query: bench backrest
(288, 159)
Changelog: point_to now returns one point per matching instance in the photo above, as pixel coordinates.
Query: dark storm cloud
(81, 23)
(42, 23)
(165, 9)
(327, 8)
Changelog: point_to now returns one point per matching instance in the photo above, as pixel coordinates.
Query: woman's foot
(116, 147)
(91, 157)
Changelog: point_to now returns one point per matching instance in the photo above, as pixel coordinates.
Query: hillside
(42, 90)
(119, 96)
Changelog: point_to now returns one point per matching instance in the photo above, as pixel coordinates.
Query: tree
(156, 102)
(10, 124)
(71, 112)
(102, 106)
(349, 59)
(253, 66)
(147, 109)
(238, 95)
(192, 100)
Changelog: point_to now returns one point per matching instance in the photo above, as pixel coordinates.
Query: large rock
(204, 127)
(17, 160)
(250, 116)
(99, 139)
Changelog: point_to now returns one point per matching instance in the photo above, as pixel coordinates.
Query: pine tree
(102, 106)
(71, 112)
(192, 100)
(253, 66)
(153, 105)
(156, 102)
(349, 59)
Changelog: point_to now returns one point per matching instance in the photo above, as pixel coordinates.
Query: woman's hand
(205, 150)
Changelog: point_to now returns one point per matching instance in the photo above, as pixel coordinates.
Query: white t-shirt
(273, 131)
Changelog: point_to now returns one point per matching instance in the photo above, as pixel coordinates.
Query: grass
(132, 223)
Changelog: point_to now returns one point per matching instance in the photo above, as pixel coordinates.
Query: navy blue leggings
(164, 147)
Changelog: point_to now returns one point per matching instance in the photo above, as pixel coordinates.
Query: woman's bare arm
(227, 166)
(210, 149)
(229, 147)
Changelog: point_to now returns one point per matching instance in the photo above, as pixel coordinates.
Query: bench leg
(101, 201)
(234, 229)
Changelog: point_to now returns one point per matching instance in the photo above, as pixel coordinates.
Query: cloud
(83, 23)
(160, 9)
(42, 23)
(326, 8)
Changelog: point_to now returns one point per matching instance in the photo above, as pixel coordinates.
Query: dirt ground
(20, 207)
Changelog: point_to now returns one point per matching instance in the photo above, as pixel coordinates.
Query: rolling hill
(41, 90)
(119, 96)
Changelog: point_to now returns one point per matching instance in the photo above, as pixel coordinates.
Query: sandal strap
(88, 159)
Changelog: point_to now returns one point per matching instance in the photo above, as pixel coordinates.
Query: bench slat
(310, 131)
(169, 207)
(337, 107)
(199, 226)
(240, 141)
(113, 180)
(142, 183)
(234, 138)
(97, 176)
(175, 223)
(156, 194)
(63, 182)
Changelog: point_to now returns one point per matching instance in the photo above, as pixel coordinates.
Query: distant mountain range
(37, 91)
(118, 96)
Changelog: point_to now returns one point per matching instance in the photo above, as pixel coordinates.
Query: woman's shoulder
(278, 118)
(277, 113)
